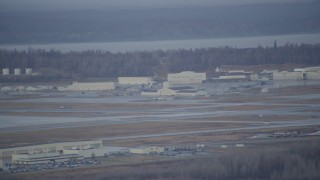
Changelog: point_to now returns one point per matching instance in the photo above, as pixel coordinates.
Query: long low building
(308, 73)
(135, 80)
(174, 92)
(45, 148)
(88, 86)
(313, 69)
(231, 77)
(146, 150)
(72, 154)
(313, 75)
(65, 155)
(285, 75)
(96, 152)
(42, 158)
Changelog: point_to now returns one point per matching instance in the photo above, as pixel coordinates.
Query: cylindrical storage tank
(5, 71)
(264, 90)
(28, 71)
(166, 84)
(17, 71)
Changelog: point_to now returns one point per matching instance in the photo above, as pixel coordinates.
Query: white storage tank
(166, 85)
(29, 71)
(5, 71)
(17, 71)
(264, 90)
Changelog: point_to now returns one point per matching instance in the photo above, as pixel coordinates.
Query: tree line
(149, 63)
(294, 161)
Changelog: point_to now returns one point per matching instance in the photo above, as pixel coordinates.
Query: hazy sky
(45, 5)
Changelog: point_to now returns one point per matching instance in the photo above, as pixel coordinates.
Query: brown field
(113, 130)
(146, 108)
(142, 167)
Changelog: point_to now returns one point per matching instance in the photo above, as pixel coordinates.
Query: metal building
(45, 148)
(135, 80)
(313, 75)
(96, 152)
(89, 86)
(313, 69)
(29, 71)
(146, 150)
(29, 159)
(5, 71)
(187, 77)
(285, 75)
(17, 71)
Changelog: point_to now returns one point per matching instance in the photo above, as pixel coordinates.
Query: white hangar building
(187, 77)
(135, 80)
(285, 75)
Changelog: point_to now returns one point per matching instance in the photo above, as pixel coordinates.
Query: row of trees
(300, 161)
(149, 63)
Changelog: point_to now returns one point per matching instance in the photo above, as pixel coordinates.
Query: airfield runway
(137, 117)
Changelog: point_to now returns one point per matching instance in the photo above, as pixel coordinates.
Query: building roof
(150, 90)
(144, 147)
(188, 91)
(182, 88)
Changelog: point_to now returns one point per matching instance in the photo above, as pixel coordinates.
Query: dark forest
(150, 63)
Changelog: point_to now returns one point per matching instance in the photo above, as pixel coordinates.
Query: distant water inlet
(240, 42)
